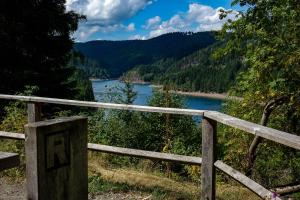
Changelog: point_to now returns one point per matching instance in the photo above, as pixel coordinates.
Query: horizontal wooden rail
(104, 105)
(146, 154)
(244, 180)
(192, 160)
(14, 136)
(8, 160)
(262, 131)
(208, 130)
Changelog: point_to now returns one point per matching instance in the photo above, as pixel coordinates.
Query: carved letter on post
(56, 159)
(57, 150)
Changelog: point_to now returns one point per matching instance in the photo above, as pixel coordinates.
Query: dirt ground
(16, 191)
(11, 191)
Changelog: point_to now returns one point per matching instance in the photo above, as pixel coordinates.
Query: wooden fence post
(208, 176)
(34, 112)
(56, 159)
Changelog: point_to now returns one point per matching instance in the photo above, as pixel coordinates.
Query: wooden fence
(208, 162)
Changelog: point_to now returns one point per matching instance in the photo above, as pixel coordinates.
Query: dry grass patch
(164, 188)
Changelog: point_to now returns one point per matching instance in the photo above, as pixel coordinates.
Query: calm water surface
(105, 89)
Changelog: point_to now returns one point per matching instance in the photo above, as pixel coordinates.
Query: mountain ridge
(118, 57)
(198, 71)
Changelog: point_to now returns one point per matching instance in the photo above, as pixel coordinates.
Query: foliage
(196, 72)
(184, 135)
(117, 57)
(271, 30)
(14, 120)
(267, 37)
(15, 113)
(35, 42)
(148, 131)
(90, 67)
(129, 93)
(275, 164)
(83, 86)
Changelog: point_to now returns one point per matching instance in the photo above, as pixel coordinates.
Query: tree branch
(287, 189)
(268, 109)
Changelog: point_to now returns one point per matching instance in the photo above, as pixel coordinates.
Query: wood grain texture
(104, 105)
(10, 135)
(8, 160)
(281, 137)
(56, 159)
(146, 154)
(208, 174)
(287, 189)
(247, 182)
(125, 151)
(34, 112)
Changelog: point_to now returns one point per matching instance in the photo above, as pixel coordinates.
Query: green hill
(117, 57)
(196, 72)
(181, 60)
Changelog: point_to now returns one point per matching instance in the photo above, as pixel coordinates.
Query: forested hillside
(118, 57)
(196, 72)
(90, 67)
(183, 61)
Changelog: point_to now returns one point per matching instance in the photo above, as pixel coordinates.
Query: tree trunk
(291, 188)
(268, 109)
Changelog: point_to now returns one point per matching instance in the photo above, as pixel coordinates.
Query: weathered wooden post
(8, 160)
(56, 159)
(34, 112)
(208, 176)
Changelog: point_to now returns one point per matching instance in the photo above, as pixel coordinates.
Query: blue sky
(144, 19)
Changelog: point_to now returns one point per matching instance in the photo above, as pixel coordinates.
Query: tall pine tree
(35, 43)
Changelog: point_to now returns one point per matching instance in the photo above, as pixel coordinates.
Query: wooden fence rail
(8, 160)
(103, 105)
(192, 160)
(208, 162)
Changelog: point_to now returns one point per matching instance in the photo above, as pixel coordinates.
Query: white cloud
(137, 37)
(107, 12)
(197, 18)
(152, 22)
(131, 27)
(206, 17)
(161, 31)
(84, 33)
(105, 16)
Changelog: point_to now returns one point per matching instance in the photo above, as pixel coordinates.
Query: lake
(104, 89)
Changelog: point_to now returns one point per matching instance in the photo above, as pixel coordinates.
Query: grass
(105, 180)
(145, 184)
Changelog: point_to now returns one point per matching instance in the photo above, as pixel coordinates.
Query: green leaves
(35, 39)
(267, 37)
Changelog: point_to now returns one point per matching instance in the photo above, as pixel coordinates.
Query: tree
(267, 36)
(128, 92)
(35, 45)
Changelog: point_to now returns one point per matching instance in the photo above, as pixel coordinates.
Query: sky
(144, 19)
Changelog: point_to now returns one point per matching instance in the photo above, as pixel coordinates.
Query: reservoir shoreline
(220, 96)
(212, 95)
(217, 96)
